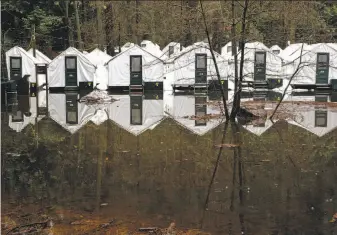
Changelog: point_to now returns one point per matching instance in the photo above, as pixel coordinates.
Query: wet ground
(168, 162)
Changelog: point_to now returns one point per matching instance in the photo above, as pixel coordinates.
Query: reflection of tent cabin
(133, 67)
(99, 58)
(21, 63)
(318, 65)
(28, 110)
(136, 114)
(185, 107)
(258, 128)
(151, 47)
(71, 69)
(276, 49)
(65, 109)
(170, 49)
(194, 66)
(261, 66)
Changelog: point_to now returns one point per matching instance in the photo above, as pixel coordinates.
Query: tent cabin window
(71, 108)
(200, 110)
(276, 52)
(70, 62)
(136, 65)
(171, 50)
(71, 70)
(136, 110)
(321, 118)
(15, 68)
(143, 45)
(260, 58)
(201, 61)
(229, 49)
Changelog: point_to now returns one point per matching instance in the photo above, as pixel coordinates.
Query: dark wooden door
(71, 70)
(200, 68)
(260, 66)
(15, 66)
(136, 70)
(322, 68)
(136, 110)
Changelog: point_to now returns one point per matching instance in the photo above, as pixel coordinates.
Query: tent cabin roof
(23, 52)
(39, 56)
(73, 51)
(98, 56)
(116, 56)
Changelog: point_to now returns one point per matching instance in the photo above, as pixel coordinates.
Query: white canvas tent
(151, 47)
(28, 63)
(180, 69)
(171, 49)
(184, 109)
(307, 68)
(27, 112)
(99, 59)
(273, 62)
(59, 113)
(276, 49)
(119, 67)
(149, 117)
(226, 51)
(42, 58)
(319, 121)
(287, 53)
(56, 69)
(127, 46)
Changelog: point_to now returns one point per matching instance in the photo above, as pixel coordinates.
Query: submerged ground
(104, 180)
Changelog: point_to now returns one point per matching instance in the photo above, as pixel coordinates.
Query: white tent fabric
(226, 51)
(151, 47)
(100, 116)
(57, 111)
(165, 52)
(184, 107)
(127, 46)
(180, 69)
(152, 114)
(119, 67)
(42, 58)
(28, 62)
(275, 49)
(307, 69)
(99, 58)
(307, 119)
(32, 119)
(56, 69)
(273, 62)
(287, 53)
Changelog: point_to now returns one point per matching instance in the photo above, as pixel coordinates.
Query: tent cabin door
(200, 110)
(71, 70)
(200, 68)
(260, 66)
(15, 66)
(322, 68)
(136, 109)
(321, 114)
(136, 70)
(71, 108)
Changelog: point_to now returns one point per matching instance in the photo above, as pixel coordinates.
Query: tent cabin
(315, 66)
(194, 112)
(99, 58)
(41, 77)
(21, 64)
(276, 49)
(261, 68)
(71, 70)
(151, 47)
(194, 67)
(136, 114)
(135, 68)
(170, 49)
(65, 109)
(28, 110)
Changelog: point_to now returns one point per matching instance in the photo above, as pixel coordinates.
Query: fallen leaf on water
(227, 145)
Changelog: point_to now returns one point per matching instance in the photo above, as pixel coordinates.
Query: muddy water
(148, 162)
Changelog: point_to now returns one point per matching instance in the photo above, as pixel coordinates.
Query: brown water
(280, 182)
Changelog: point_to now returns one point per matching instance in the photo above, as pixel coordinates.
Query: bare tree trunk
(78, 27)
(237, 97)
(100, 36)
(70, 30)
(215, 63)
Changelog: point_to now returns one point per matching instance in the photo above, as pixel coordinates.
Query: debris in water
(334, 218)
(97, 97)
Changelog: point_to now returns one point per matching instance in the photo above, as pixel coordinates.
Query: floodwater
(148, 161)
